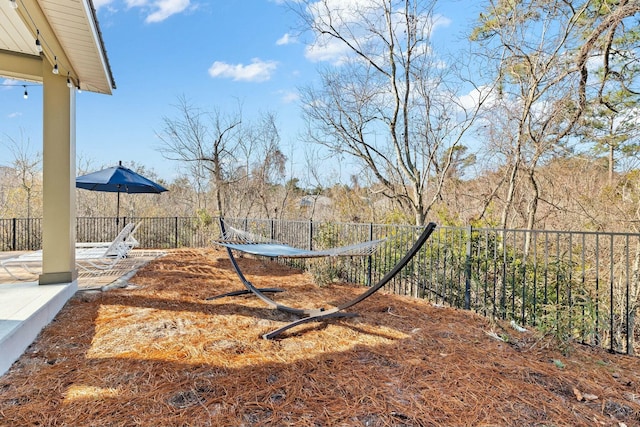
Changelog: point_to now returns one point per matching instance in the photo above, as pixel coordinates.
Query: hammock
(269, 248)
(279, 250)
(254, 244)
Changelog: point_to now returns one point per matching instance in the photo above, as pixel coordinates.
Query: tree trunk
(532, 209)
(510, 193)
(611, 160)
(634, 294)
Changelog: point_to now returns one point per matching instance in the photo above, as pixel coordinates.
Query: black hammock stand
(278, 250)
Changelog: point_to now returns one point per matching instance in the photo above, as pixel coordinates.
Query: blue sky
(213, 53)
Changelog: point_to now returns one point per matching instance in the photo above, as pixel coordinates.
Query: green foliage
(328, 270)
(326, 236)
(395, 216)
(489, 220)
(565, 321)
(445, 217)
(506, 283)
(204, 217)
(441, 268)
(324, 271)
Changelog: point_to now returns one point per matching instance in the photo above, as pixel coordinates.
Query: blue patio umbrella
(118, 179)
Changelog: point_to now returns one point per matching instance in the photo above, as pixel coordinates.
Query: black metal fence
(579, 285)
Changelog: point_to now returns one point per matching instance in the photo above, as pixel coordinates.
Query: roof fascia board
(97, 38)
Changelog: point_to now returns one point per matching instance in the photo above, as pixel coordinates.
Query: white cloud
(284, 2)
(359, 21)
(342, 14)
(289, 97)
(257, 71)
(286, 39)
(158, 10)
(101, 3)
(472, 99)
(8, 84)
(137, 3)
(166, 8)
(330, 50)
(440, 21)
(14, 115)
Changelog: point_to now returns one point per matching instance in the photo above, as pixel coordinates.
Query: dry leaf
(579, 396)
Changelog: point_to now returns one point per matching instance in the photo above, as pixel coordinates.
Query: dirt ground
(158, 353)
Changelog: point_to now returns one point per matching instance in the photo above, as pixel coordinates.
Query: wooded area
(531, 123)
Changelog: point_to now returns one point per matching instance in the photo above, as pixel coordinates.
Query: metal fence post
(310, 234)
(176, 232)
(273, 229)
(467, 271)
(370, 257)
(13, 236)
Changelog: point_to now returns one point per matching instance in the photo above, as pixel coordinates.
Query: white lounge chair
(87, 258)
(126, 236)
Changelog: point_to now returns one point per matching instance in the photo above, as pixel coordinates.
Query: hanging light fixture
(38, 45)
(14, 4)
(69, 84)
(26, 95)
(55, 66)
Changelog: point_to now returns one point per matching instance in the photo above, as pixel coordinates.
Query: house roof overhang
(69, 34)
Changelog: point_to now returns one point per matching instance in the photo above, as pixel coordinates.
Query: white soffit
(69, 35)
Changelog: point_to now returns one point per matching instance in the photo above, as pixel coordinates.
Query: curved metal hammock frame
(314, 314)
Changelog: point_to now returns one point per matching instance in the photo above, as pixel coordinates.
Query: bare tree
(27, 165)
(542, 60)
(261, 169)
(613, 133)
(610, 125)
(389, 102)
(204, 139)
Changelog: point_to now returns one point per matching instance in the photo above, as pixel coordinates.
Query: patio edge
(27, 308)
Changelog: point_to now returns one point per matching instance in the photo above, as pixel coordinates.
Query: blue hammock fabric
(279, 250)
(254, 244)
(272, 250)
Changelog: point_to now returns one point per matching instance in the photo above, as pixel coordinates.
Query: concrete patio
(28, 307)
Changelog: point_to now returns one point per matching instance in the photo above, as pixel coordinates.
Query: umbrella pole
(118, 211)
(118, 204)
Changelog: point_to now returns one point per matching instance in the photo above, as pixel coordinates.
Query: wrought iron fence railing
(581, 285)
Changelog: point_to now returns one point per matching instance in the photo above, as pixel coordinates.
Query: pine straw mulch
(159, 354)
